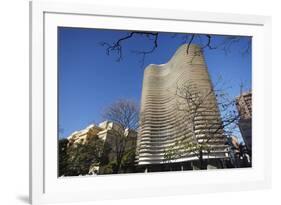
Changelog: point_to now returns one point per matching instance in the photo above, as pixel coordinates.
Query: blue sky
(90, 80)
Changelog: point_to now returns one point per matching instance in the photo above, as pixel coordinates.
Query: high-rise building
(180, 120)
(244, 106)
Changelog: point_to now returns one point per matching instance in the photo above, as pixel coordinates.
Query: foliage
(114, 155)
(79, 157)
(62, 152)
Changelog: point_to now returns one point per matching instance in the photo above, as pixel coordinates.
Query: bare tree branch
(117, 45)
(194, 106)
(206, 41)
(125, 114)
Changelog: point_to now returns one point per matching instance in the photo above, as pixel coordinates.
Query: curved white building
(163, 122)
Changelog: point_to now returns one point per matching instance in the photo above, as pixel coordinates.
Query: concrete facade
(244, 106)
(104, 131)
(162, 124)
(107, 131)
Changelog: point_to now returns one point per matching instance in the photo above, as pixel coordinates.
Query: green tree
(81, 156)
(62, 155)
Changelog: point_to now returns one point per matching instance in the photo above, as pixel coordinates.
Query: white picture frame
(45, 187)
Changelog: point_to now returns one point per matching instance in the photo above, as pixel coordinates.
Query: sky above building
(90, 80)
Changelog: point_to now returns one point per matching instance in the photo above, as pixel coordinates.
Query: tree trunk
(201, 159)
(118, 165)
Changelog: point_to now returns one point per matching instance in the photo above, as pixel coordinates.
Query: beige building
(244, 106)
(166, 119)
(104, 131)
(82, 136)
(110, 133)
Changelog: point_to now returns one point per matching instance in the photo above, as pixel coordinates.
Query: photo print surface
(146, 101)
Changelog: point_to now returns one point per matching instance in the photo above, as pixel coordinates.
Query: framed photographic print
(129, 102)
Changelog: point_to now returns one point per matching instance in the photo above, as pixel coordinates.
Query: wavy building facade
(168, 117)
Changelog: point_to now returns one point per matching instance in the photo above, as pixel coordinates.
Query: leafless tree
(194, 108)
(125, 114)
(204, 40)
